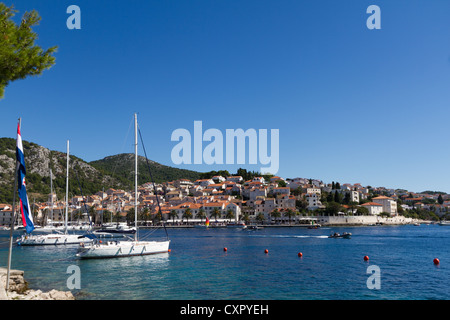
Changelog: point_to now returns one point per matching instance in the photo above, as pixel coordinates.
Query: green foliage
(420, 214)
(121, 167)
(440, 199)
(210, 174)
(362, 211)
(333, 208)
(248, 175)
(19, 56)
(282, 184)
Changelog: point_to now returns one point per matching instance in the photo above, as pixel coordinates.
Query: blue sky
(351, 104)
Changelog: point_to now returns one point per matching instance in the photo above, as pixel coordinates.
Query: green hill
(111, 172)
(121, 167)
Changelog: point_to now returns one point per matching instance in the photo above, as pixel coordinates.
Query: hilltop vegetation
(121, 167)
(111, 172)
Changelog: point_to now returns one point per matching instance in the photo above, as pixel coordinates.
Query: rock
(18, 289)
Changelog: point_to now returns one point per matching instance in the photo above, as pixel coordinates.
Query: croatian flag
(27, 219)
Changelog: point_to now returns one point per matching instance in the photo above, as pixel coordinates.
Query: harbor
(198, 267)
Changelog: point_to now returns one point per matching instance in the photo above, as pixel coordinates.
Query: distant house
(314, 202)
(310, 189)
(217, 186)
(373, 207)
(389, 205)
(204, 182)
(281, 190)
(77, 200)
(285, 201)
(237, 179)
(218, 179)
(276, 179)
(258, 179)
(5, 214)
(235, 208)
(183, 183)
(257, 192)
(265, 206)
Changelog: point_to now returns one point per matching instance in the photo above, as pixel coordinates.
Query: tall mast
(67, 188)
(135, 176)
(51, 194)
(13, 219)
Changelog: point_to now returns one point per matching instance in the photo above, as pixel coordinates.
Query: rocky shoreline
(18, 289)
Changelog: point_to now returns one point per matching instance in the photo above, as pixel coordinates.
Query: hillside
(110, 172)
(121, 167)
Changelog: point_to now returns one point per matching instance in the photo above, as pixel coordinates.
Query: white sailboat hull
(52, 239)
(114, 249)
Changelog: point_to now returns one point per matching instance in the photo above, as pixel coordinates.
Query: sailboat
(50, 226)
(115, 249)
(60, 238)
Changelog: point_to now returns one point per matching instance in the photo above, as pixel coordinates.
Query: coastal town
(228, 200)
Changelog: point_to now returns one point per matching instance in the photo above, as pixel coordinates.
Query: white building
(389, 205)
(258, 179)
(354, 196)
(314, 201)
(218, 179)
(237, 179)
(373, 207)
(254, 193)
(282, 191)
(204, 182)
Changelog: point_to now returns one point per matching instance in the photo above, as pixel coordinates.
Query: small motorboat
(253, 228)
(345, 235)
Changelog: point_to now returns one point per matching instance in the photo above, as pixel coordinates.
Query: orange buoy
(366, 258)
(266, 251)
(300, 254)
(169, 250)
(225, 249)
(436, 261)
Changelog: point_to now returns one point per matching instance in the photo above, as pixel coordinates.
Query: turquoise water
(197, 268)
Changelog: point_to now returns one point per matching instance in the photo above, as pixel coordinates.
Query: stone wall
(363, 220)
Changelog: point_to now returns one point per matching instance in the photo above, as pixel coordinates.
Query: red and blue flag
(27, 219)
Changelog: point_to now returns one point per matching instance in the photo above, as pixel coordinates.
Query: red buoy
(266, 251)
(366, 258)
(436, 261)
(225, 249)
(300, 254)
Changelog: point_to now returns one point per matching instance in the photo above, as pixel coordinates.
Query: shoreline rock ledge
(18, 289)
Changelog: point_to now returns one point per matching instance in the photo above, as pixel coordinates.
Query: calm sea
(198, 268)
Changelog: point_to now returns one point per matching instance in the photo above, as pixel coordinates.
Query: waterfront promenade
(368, 220)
